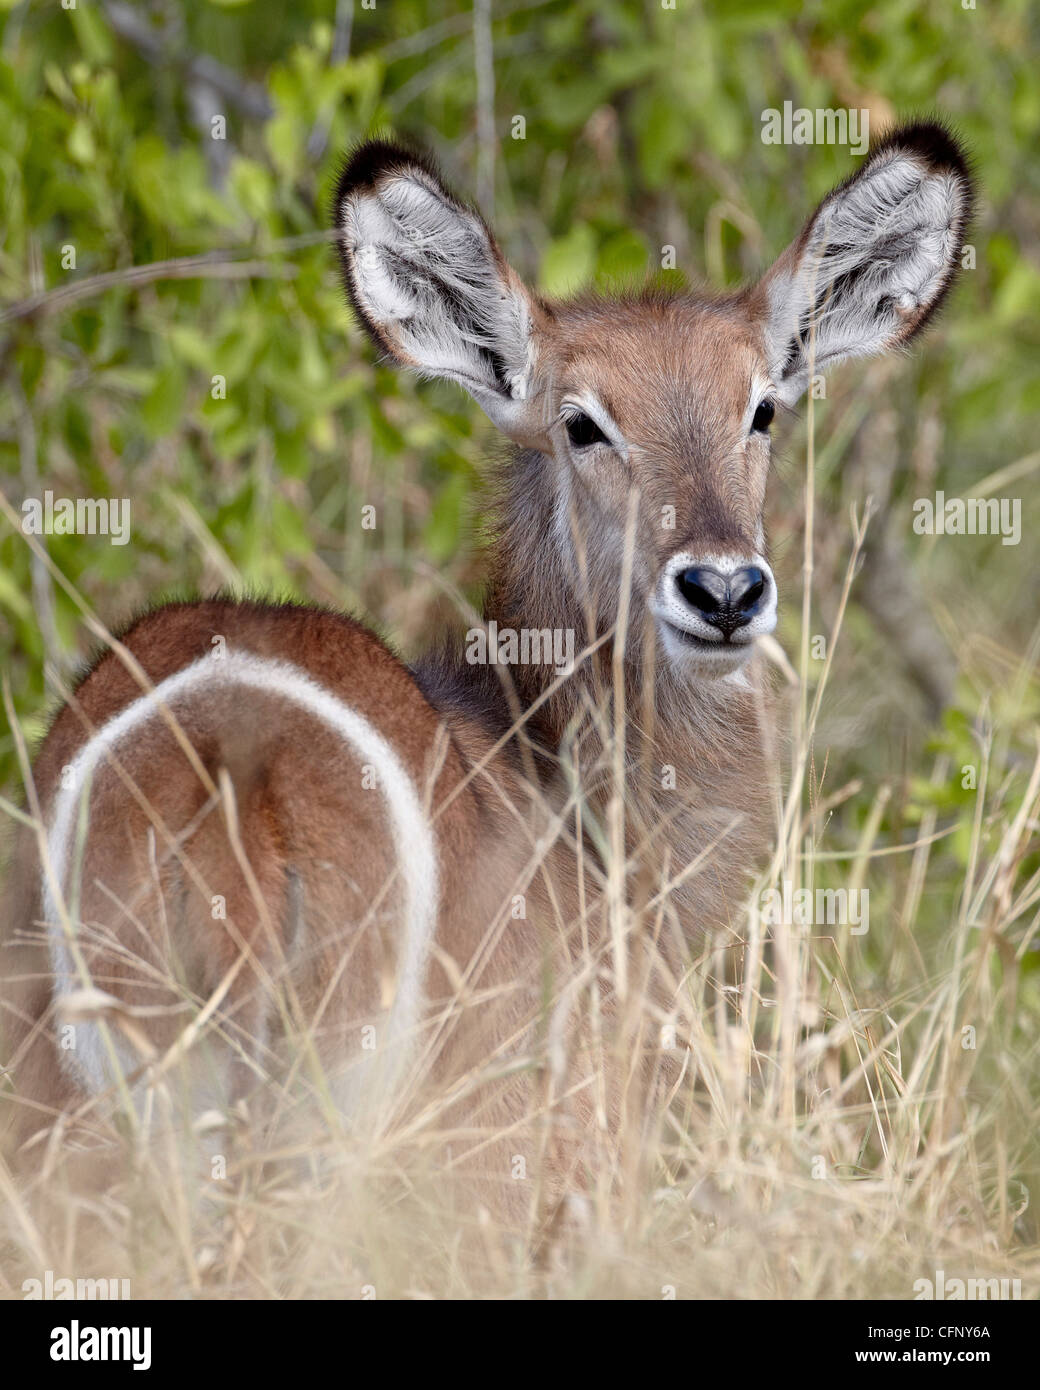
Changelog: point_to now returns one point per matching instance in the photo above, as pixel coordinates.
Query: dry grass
(836, 1132)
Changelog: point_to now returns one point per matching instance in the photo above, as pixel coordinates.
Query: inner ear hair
(930, 189)
(369, 165)
(876, 259)
(424, 273)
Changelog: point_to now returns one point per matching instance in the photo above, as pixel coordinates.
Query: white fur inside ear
(878, 255)
(426, 272)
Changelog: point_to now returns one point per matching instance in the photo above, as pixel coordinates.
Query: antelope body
(259, 812)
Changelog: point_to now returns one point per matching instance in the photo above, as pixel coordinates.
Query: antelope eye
(582, 431)
(763, 416)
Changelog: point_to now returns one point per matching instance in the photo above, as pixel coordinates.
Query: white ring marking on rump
(413, 836)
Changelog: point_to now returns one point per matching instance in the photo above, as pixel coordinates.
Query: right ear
(428, 282)
(874, 261)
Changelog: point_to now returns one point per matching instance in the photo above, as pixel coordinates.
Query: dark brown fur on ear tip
(370, 161)
(932, 139)
(936, 143)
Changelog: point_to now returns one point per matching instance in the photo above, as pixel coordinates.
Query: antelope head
(666, 395)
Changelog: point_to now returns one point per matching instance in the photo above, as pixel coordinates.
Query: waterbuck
(265, 848)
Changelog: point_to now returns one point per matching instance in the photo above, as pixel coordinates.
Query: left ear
(874, 261)
(427, 280)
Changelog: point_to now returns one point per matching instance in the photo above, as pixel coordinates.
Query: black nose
(725, 601)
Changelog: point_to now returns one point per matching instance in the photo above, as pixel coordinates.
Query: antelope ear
(874, 261)
(427, 280)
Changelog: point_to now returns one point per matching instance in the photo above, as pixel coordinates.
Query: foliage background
(642, 130)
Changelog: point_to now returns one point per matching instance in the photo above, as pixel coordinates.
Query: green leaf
(444, 528)
(164, 404)
(622, 257)
(81, 145)
(568, 262)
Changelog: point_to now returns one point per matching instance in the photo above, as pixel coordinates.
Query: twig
(891, 594)
(433, 72)
(339, 53)
(423, 40)
(249, 97)
(484, 65)
(213, 265)
(42, 588)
